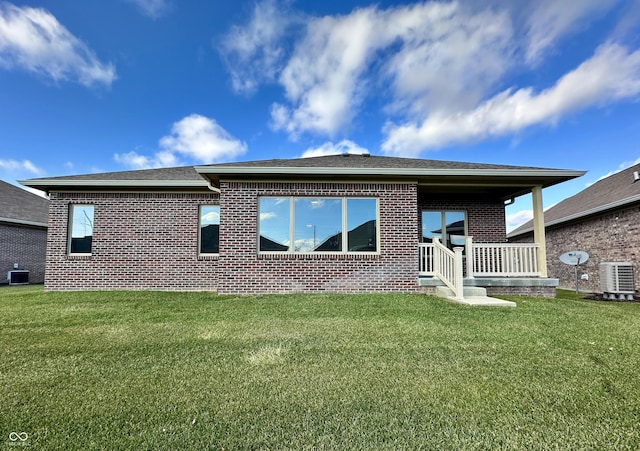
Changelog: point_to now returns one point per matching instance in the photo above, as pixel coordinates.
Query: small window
(80, 229)
(449, 226)
(209, 229)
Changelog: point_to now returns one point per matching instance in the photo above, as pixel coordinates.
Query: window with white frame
(449, 226)
(209, 229)
(318, 224)
(80, 229)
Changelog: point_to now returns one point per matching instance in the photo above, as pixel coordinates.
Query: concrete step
(445, 291)
(475, 296)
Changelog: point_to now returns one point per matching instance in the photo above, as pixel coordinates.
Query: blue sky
(108, 85)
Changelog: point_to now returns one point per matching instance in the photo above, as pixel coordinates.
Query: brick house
(342, 223)
(602, 220)
(23, 232)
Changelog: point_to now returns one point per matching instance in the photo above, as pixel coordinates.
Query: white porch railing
(504, 260)
(439, 261)
(487, 260)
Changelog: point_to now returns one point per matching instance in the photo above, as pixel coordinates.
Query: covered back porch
(498, 267)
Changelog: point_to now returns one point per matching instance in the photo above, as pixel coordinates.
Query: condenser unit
(18, 277)
(617, 280)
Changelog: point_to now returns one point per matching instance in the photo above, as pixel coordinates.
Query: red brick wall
(613, 237)
(150, 241)
(140, 241)
(485, 216)
(23, 245)
(242, 270)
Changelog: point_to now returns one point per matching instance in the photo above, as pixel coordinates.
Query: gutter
(233, 170)
(49, 185)
(24, 222)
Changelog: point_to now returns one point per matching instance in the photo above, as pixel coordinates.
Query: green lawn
(149, 370)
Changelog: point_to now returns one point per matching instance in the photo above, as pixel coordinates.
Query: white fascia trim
(591, 211)
(230, 170)
(23, 222)
(118, 183)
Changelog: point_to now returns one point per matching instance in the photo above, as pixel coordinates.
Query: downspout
(213, 188)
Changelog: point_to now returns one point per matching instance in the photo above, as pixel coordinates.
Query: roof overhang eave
(23, 222)
(525, 178)
(404, 172)
(57, 184)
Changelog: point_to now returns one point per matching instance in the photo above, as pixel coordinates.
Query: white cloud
(621, 167)
(449, 59)
(515, 220)
(196, 137)
(20, 166)
(323, 78)
(305, 245)
(253, 53)
(551, 19)
(267, 215)
(202, 139)
(434, 68)
(212, 217)
(32, 39)
(433, 55)
(329, 148)
(134, 160)
(611, 74)
(151, 8)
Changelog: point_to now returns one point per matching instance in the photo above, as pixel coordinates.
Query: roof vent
(636, 176)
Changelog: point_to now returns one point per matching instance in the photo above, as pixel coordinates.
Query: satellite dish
(574, 258)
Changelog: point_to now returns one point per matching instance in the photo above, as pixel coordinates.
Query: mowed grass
(149, 370)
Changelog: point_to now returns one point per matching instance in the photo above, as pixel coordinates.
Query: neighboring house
(23, 232)
(602, 220)
(342, 223)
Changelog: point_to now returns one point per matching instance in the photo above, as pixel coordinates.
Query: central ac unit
(617, 280)
(18, 277)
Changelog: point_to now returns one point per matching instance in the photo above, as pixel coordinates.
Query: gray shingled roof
(512, 180)
(617, 190)
(168, 178)
(431, 175)
(362, 161)
(22, 207)
(180, 173)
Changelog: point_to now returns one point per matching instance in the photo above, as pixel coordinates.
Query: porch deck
(500, 268)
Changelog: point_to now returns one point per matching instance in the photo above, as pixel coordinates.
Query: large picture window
(449, 226)
(209, 229)
(80, 229)
(318, 224)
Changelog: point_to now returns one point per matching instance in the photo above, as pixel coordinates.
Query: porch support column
(538, 230)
